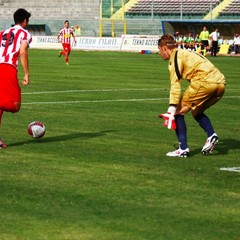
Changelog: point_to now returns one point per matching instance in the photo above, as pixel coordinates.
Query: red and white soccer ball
(36, 129)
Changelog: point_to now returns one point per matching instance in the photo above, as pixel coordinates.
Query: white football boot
(179, 153)
(210, 144)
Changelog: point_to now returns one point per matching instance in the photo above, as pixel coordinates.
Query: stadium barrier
(128, 43)
(124, 43)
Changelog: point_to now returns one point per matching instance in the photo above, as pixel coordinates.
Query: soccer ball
(36, 129)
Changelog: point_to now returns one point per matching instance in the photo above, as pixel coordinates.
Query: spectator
(230, 42)
(236, 43)
(181, 39)
(77, 31)
(190, 42)
(197, 42)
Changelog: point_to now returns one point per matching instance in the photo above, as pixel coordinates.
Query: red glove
(169, 119)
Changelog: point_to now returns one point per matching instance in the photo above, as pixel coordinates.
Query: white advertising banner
(124, 43)
(97, 43)
(45, 42)
(82, 43)
(139, 44)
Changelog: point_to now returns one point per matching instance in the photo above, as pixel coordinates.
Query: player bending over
(206, 87)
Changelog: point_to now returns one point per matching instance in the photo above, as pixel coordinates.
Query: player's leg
(62, 52)
(181, 132)
(68, 51)
(9, 106)
(66, 57)
(208, 97)
(215, 46)
(1, 114)
(10, 92)
(2, 144)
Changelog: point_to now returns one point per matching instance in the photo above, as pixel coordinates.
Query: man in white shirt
(236, 42)
(214, 36)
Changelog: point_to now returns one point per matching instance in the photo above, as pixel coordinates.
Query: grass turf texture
(100, 172)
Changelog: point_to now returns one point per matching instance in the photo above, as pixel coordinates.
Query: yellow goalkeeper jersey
(204, 35)
(191, 67)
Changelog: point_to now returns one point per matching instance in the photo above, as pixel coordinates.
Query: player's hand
(25, 81)
(169, 119)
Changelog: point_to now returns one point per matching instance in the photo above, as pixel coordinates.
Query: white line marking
(96, 90)
(231, 169)
(102, 90)
(97, 101)
(232, 97)
(100, 101)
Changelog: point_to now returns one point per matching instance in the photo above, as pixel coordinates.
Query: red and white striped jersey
(10, 42)
(65, 35)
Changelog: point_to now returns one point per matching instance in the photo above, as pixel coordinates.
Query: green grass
(100, 172)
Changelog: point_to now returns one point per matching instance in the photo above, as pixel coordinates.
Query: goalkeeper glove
(169, 119)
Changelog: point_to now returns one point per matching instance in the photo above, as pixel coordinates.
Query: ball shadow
(65, 137)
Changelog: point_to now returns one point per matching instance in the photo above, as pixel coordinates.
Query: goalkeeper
(206, 87)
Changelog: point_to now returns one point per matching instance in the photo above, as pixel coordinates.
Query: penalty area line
(95, 101)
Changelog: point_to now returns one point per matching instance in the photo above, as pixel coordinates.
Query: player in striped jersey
(14, 43)
(64, 36)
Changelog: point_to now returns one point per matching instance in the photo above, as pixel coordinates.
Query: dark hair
(66, 21)
(20, 15)
(167, 40)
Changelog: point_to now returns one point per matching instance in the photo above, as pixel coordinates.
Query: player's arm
(175, 92)
(74, 39)
(24, 61)
(169, 116)
(175, 74)
(58, 36)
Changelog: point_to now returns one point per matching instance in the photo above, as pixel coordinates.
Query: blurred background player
(64, 36)
(14, 43)
(204, 36)
(206, 87)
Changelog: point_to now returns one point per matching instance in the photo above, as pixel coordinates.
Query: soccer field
(100, 172)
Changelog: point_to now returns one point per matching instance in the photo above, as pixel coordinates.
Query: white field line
(231, 169)
(100, 101)
(97, 101)
(102, 90)
(96, 90)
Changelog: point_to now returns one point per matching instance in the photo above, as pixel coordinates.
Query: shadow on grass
(65, 137)
(222, 147)
(225, 145)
